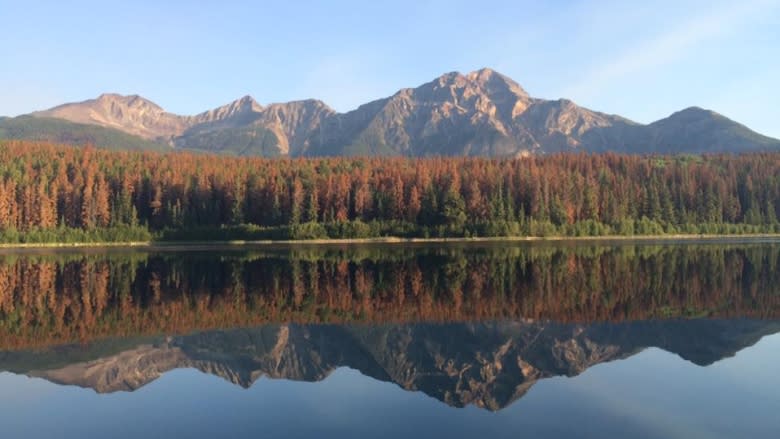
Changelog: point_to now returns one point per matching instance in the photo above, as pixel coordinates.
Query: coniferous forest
(54, 193)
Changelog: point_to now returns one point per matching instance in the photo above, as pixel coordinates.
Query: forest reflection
(47, 299)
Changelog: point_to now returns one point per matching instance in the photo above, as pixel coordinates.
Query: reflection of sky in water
(654, 393)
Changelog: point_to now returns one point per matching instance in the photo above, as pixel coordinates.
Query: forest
(51, 193)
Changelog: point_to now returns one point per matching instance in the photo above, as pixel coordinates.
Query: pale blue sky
(643, 61)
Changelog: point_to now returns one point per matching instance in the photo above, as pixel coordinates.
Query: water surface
(550, 340)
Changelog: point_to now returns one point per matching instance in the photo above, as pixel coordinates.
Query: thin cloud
(669, 46)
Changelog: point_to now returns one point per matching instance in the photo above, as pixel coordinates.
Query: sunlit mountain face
(480, 113)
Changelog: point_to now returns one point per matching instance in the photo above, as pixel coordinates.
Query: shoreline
(396, 240)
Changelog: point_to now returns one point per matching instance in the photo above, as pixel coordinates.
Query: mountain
(130, 114)
(705, 131)
(482, 113)
(236, 113)
(245, 128)
(489, 365)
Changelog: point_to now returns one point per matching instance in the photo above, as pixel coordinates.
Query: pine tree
(296, 201)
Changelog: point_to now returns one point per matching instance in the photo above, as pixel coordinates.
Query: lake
(588, 339)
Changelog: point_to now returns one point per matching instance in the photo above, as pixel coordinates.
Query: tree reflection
(60, 298)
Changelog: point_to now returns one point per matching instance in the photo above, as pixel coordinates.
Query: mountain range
(482, 113)
(488, 365)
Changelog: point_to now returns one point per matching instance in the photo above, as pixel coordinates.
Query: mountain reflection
(55, 299)
(489, 364)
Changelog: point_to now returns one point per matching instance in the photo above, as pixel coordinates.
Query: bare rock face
(480, 113)
(295, 124)
(247, 128)
(130, 114)
(454, 114)
(238, 112)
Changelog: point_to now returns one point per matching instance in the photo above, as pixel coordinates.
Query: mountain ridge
(480, 113)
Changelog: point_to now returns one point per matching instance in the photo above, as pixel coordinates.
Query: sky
(642, 60)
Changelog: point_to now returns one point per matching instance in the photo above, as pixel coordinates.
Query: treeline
(189, 196)
(56, 299)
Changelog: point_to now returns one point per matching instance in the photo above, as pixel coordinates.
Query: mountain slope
(246, 128)
(704, 131)
(452, 115)
(481, 113)
(70, 133)
(131, 114)
(236, 113)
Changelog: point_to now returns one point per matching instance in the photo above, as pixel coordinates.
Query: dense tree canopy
(47, 187)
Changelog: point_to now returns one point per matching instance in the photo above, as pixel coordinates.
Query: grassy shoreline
(397, 240)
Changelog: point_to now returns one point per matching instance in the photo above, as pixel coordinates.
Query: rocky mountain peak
(479, 113)
(495, 82)
(450, 78)
(132, 114)
(134, 101)
(305, 103)
(249, 103)
(483, 74)
(243, 107)
(486, 80)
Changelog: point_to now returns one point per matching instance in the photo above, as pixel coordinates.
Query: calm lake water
(641, 340)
